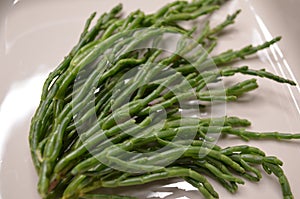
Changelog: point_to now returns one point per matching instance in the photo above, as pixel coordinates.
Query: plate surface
(35, 36)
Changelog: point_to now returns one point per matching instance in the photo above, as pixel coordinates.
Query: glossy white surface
(35, 35)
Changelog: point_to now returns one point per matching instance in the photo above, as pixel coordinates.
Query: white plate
(35, 35)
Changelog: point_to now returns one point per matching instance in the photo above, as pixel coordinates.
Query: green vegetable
(111, 113)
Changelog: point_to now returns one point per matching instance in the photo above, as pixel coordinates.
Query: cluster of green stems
(90, 121)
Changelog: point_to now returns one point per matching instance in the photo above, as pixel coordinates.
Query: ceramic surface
(35, 36)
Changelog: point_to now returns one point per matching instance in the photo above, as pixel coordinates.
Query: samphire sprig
(96, 126)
